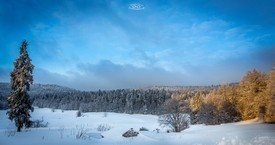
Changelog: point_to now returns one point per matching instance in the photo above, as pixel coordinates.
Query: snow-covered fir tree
(21, 77)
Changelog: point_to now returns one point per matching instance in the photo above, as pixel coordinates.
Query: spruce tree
(19, 102)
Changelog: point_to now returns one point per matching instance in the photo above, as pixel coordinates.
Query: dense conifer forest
(147, 100)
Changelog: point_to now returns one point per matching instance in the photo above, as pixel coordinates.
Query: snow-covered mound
(64, 128)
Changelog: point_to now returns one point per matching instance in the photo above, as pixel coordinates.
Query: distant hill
(36, 89)
(4, 89)
(181, 88)
(52, 88)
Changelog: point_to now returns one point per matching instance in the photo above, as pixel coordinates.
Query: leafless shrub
(177, 122)
(10, 132)
(61, 131)
(38, 124)
(175, 118)
(82, 133)
(103, 127)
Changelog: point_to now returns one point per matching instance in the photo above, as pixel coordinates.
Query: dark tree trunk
(18, 129)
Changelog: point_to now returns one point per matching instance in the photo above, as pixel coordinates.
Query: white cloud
(136, 6)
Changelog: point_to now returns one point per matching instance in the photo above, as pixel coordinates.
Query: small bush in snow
(143, 129)
(78, 114)
(157, 129)
(38, 124)
(103, 127)
(105, 114)
(82, 133)
(10, 132)
(61, 131)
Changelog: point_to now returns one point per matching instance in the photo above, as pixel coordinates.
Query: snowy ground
(64, 127)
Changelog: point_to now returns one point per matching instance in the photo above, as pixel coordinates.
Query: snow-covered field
(64, 127)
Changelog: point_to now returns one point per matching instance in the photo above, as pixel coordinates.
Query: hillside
(35, 89)
(64, 128)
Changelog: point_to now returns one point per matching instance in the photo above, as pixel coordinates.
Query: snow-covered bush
(38, 124)
(103, 127)
(143, 129)
(105, 114)
(78, 114)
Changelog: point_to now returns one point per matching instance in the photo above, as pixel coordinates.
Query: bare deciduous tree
(175, 116)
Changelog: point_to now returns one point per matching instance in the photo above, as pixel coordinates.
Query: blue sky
(111, 44)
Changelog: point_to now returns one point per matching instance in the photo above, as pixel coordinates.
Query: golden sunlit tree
(219, 106)
(251, 94)
(270, 97)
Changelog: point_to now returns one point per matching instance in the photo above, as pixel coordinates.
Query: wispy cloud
(106, 44)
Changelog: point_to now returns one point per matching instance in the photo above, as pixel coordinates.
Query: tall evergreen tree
(21, 77)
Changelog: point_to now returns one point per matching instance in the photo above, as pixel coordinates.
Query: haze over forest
(105, 44)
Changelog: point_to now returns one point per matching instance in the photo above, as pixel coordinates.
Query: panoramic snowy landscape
(64, 127)
(137, 72)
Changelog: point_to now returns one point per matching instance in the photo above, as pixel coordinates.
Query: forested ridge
(252, 97)
(147, 100)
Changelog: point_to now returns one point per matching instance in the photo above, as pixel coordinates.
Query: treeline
(253, 96)
(122, 101)
(144, 101)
